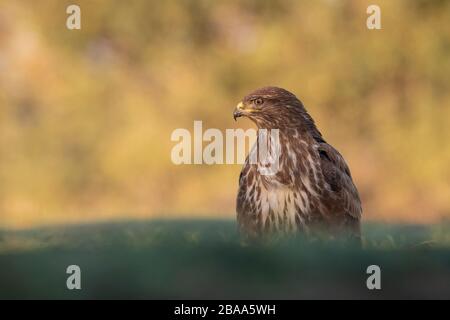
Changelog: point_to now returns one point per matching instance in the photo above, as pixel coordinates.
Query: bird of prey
(312, 192)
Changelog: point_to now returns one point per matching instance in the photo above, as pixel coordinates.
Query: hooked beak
(238, 112)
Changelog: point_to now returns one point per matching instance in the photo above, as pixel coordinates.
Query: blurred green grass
(205, 259)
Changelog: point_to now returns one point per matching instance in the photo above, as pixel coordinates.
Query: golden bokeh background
(86, 115)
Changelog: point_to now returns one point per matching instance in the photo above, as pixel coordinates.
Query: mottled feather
(313, 189)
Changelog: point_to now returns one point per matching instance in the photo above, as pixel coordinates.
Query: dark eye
(258, 101)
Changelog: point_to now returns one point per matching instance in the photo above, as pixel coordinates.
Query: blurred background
(86, 115)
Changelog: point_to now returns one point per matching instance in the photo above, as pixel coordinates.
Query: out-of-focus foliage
(205, 259)
(86, 116)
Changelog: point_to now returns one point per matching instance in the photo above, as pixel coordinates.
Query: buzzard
(312, 191)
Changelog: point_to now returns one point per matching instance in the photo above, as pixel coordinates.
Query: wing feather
(338, 176)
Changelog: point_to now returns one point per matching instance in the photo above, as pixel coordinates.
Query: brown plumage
(312, 189)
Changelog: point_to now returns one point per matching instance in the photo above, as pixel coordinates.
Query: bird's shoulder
(333, 165)
(337, 174)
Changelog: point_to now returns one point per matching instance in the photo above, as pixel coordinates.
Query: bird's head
(272, 107)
